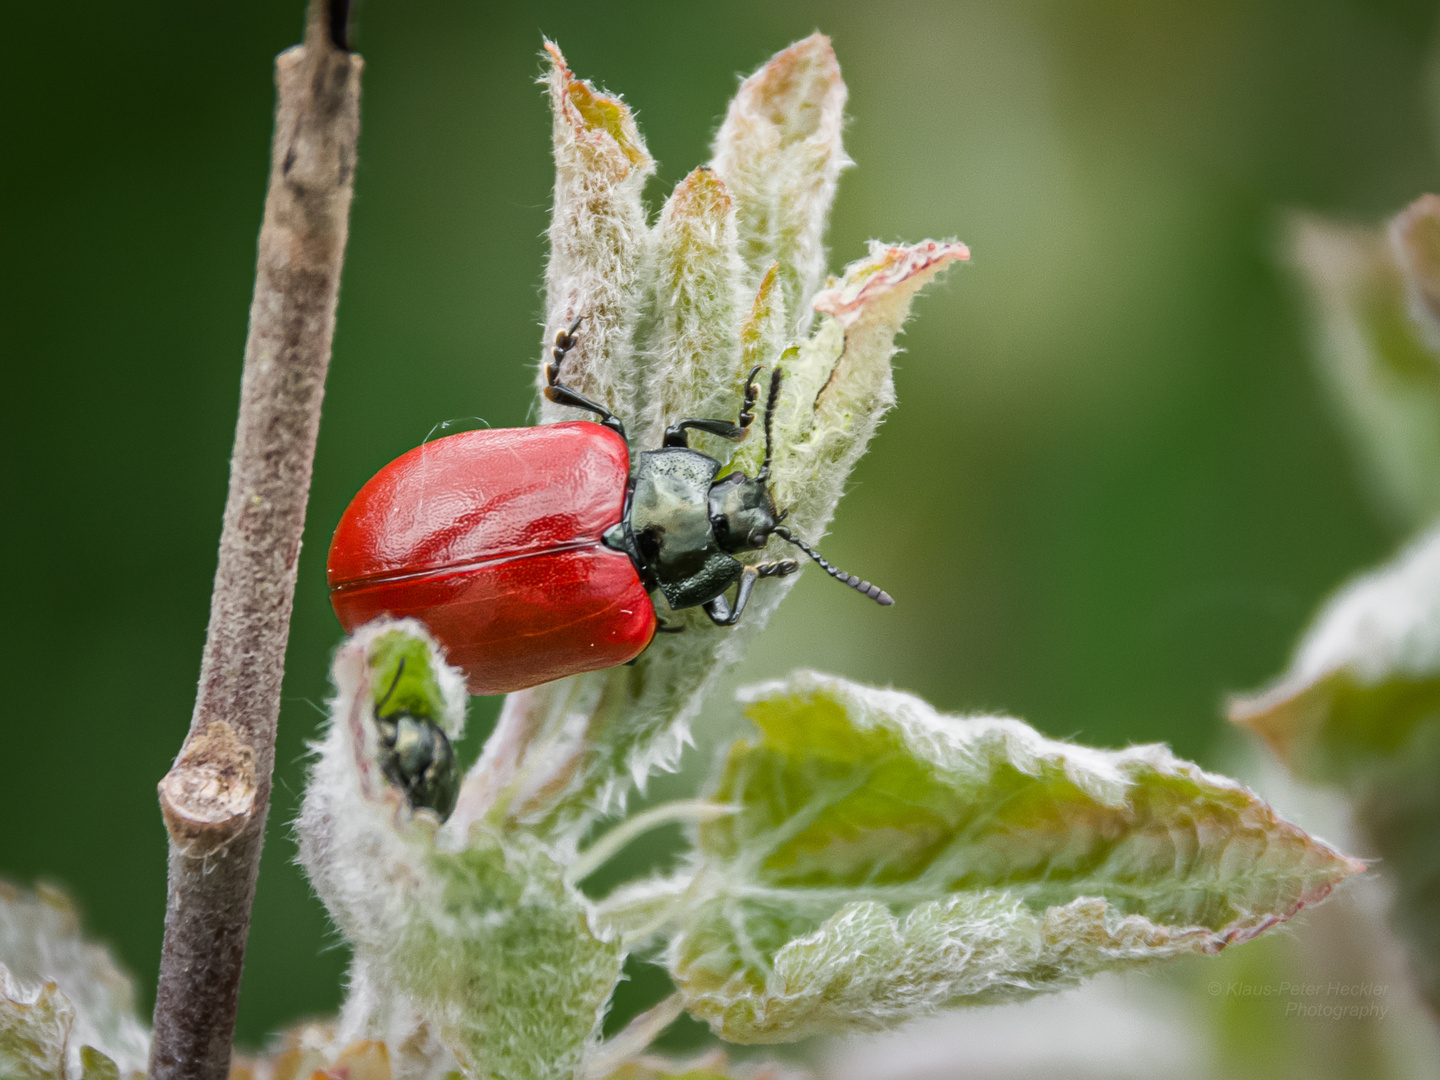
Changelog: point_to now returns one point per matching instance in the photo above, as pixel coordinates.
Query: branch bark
(216, 796)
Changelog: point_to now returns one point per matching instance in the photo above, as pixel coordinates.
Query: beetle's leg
(778, 568)
(675, 433)
(561, 394)
(719, 608)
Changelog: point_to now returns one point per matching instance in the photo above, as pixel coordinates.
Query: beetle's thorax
(684, 526)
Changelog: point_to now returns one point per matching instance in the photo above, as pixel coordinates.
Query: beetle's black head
(742, 513)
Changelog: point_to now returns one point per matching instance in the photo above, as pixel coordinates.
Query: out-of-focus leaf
(713, 1066)
(316, 1051)
(1360, 707)
(1415, 241)
(35, 1023)
(41, 946)
(887, 860)
(1365, 675)
(1377, 347)
(369, 1060)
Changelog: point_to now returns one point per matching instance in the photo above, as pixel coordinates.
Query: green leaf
(1365, 675)
(1359, 707)
(96, 1066)
(1377, 348)
(58, 979)
(887, 860)
(35, 1027)
(403, 678)
(502, 956)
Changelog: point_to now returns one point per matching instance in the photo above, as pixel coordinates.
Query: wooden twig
(216, 796)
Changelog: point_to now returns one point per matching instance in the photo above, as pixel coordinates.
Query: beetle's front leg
(675, 434)
(561, 394)
(719, 609)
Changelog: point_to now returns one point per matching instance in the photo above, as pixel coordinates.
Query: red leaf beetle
(531, 552)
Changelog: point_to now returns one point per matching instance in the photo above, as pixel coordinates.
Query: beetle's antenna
(770, 402)
(399, 670)
(874, 592)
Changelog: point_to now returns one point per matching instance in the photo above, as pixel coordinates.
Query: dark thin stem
(216, 796)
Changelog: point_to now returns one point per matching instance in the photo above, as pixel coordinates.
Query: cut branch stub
(208, 797)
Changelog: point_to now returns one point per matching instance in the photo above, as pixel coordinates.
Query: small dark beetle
(416, 756)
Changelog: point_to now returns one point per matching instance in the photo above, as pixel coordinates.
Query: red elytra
(493, 540)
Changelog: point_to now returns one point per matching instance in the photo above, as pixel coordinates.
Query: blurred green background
(1112, 492)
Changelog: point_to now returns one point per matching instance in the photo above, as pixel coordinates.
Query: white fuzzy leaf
(699, 296)
(35, 1023)
(475, 930)
(887, 860)
(779, 151)
(62, 984)
(598, 241)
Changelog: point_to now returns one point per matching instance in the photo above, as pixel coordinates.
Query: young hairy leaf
(598, 239)
(466, 930)
(699, 300)
(732, 272)
(780, 153)
(886, 860)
